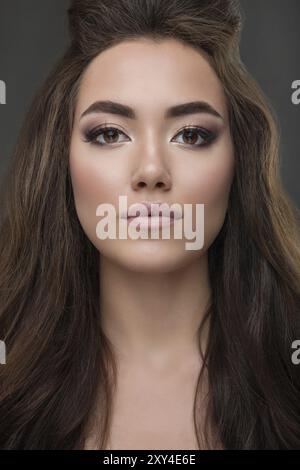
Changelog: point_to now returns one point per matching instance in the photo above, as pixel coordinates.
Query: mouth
(154, 214)
(149, 216)
(171, 214)
(152, 220)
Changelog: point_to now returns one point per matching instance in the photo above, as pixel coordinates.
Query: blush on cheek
(85, 180)
(217, 183)
(86, 195)
(213, 188)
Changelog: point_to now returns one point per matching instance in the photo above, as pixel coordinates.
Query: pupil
(111, 133)
(190, 133)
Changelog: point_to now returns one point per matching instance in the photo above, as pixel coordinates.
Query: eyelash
(207, 136)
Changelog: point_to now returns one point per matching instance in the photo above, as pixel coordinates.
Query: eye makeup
(95, 135)
(92, 135)
(207, 136)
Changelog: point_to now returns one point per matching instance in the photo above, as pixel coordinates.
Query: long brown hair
(60, 366)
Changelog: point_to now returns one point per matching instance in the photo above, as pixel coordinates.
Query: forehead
(150, 77)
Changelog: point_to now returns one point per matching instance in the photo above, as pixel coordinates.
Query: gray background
(33, 34)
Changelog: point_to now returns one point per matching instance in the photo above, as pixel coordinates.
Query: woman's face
(148, 156)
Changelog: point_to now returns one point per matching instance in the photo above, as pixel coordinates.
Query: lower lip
(155, 221)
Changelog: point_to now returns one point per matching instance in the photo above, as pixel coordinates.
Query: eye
(192, 135)
(196, 136)
(104, 135)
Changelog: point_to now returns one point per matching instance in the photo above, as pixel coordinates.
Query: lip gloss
(152, 221)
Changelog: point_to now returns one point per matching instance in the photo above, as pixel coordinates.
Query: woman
(115, 343)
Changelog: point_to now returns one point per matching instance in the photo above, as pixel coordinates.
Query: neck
(153, 318)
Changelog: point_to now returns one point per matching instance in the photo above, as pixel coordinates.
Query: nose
(151, 173)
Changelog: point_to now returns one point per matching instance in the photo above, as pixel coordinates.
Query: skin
(153, 292)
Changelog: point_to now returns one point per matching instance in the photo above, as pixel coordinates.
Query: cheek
(215, 184)
(209, 184)
(93, 183)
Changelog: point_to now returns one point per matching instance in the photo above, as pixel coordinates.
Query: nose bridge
(152, 167)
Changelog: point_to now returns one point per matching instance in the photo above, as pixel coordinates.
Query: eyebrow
(184, 109)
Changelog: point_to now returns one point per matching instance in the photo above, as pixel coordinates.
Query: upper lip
(164, 211)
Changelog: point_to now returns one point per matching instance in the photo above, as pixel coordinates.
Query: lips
(154, 222)
(151, 216)
(153, 210)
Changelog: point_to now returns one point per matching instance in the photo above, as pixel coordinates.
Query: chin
(149, 256)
